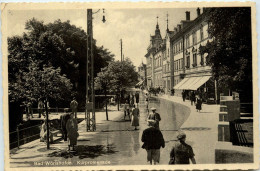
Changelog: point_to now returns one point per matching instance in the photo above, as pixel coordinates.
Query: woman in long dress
(72, 131)
(135, 117)
(43, 133)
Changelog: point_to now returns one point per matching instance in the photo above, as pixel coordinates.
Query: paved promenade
(116, 143)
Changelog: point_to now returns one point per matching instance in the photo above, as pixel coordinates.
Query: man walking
(155, 116)
(153, 141)
(74, 106)
(40, 108)
(182, 152)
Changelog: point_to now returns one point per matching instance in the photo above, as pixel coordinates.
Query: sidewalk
(201, 129)
(116, 143)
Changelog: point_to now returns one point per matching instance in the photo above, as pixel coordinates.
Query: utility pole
(90, 41)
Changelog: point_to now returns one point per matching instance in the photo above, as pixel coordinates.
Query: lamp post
(90, 41)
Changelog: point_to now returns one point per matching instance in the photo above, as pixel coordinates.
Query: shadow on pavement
(85, 151)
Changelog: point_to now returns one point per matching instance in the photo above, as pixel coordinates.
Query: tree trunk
(106, 103)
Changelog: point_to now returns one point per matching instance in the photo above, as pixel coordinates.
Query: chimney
(175, 29)
(198, 11)
(187, 15)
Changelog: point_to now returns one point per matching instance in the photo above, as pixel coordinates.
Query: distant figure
(198, 104)
(40, 108)
(63, 121)
(192, 98)
(29, 111)
(147, 106)
(183, 95)
(146, 97)
(74, 106)
(182, 152)
(137, 97)
(72, 130)
(172, 91)
(155, 116)
(43, 133)
(132, 100)
(153, 141)
(135, 117)
(126, 110)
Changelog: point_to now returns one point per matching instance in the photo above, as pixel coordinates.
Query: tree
(118, 75)
(230, 52)
(102, 81)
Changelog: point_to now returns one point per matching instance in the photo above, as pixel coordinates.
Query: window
(179, 64)
(202, 60)
(194, 39)
(188, 62)
(187, 41)
(194, 60)
(201, 33)
(168, 52)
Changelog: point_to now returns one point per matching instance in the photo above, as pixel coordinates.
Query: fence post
(17, 130)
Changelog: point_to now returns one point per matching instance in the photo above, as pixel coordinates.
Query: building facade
(176, 61)
(191, 71)
(152, 61)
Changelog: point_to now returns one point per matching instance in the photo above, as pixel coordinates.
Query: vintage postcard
(130, 85)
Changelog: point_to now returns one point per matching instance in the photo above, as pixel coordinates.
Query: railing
(24, 135)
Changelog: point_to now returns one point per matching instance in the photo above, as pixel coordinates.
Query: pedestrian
(132, 100)
(72, 131)
(43, 133)
(137, 97)
(146, 97)
(135, 117)
(153, 140)
(182, 152)
(126, 110)
(198, 104)
(155, 116)
(147, 106)
(183, 95)
(74, 106)
(29, 111)
(40, 108)
(192, 97)
(63, 121)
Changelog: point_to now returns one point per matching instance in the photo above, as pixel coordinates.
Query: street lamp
(90, 40)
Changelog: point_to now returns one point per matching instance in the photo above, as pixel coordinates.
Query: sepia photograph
(130, 86)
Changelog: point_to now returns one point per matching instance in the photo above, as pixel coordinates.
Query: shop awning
(202, 81)
(180, 83)
(192, 83)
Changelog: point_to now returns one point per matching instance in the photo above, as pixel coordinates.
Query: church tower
(157, 38)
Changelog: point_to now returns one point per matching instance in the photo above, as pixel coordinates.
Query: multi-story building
(153, 62)
(191, 72)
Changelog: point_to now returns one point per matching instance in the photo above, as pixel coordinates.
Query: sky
(133, 26)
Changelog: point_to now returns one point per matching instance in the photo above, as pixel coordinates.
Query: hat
(153, 108)
(181, 136)
(150, 122)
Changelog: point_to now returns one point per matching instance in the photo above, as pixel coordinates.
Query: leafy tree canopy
(230, 52)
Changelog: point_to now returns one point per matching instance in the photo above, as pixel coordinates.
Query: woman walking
(72, 131)
(135, 117)
(198, 104)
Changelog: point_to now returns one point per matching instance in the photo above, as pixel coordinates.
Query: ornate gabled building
(152, 62)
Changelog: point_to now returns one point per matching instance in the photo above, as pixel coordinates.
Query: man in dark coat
(182, 152)
(63, 121)
(153, 141)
